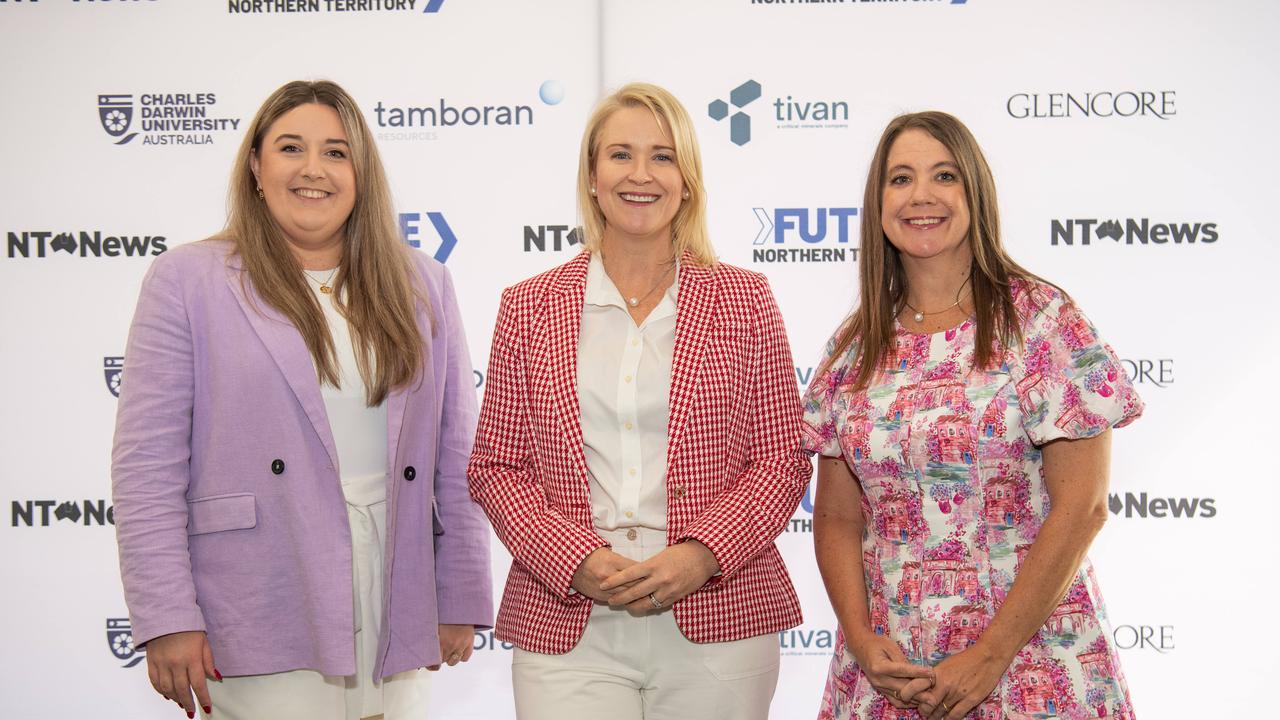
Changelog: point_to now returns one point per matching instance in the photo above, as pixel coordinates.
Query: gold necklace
(920, 314)
(325, 287)
(634, 300)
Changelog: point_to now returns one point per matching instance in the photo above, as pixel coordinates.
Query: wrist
(990, 652)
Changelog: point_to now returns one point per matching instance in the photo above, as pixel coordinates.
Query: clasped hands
(948, 691)
(648, 586)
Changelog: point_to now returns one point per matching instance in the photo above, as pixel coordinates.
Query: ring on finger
(654, 599)
(946, 707)
(896, 696)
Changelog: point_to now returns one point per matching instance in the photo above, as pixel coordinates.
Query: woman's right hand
(595, 568)
(887, 667)
(178, 665)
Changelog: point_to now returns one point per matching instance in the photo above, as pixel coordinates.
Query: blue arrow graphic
(447, 239)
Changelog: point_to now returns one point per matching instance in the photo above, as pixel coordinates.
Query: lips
(924, 223)
(311, 193)
(639, 198)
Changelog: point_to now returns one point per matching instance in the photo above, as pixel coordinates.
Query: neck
(935, 283)
(636, 258)
(320, 256)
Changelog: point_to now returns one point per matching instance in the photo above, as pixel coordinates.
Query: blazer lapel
(560, 328)
(695, 303)
(287, 348)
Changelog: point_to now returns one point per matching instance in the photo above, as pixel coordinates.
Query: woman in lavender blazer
(295, 419)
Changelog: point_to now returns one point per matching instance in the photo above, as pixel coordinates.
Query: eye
(290, 148)
(664, 157)
(337, 154)
(899, 180)
(947, 176)
(620, 155)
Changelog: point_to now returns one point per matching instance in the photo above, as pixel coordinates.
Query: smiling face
(924, 210)
(637, 182)
(308, 181)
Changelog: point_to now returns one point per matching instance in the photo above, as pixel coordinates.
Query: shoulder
(530, 291)
(731, 278)
(1038, 303)
(196, 256)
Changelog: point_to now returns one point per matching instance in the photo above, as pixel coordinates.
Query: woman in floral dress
(962, 415)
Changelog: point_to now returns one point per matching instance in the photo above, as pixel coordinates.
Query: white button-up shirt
(624, 390)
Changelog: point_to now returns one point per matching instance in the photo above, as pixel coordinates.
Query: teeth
(312, 194)
(924, 221)
(639, 198)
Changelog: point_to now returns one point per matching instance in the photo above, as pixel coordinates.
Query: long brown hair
(883, 280)
(689, 226)
(375, 271)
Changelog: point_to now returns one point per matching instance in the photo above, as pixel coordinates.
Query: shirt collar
(601, 291)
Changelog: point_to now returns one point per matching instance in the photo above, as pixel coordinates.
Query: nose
(640, 172)
(314, 169)
(922, 193)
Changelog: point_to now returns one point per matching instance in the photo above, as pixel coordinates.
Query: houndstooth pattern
(735, 468)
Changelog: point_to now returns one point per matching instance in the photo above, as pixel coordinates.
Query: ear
(254, 166)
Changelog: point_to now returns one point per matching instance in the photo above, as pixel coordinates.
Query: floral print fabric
(948, 461)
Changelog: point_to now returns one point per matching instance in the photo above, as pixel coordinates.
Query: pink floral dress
(949, 461)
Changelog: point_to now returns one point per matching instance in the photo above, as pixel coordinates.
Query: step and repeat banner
(1134, 151)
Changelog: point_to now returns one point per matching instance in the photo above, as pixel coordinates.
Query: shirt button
(635, 343)
(632, 472)
(628, 426)
(630, 514)
(627, 378)
(631, 534)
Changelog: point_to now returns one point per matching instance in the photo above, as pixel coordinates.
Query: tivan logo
(1141, 505)
(164, 118)
(1161, 104)
(412, 232)
(112, 368)
(807, 227)
(740, 122)
(120, 640)
(560, 237)
(807, 641)
(43, 513)
(485, 640)
(1132, 231)
(85, 243)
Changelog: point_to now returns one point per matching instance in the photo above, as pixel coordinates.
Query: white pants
(633, 668)
(308, 695)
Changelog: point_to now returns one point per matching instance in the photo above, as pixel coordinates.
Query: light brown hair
(689, 227)
(883, 280)
(375, 285)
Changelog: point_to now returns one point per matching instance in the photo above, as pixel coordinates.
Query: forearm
(838, 538)
(1046, 573)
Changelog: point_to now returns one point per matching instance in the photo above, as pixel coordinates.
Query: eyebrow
(944, 163)
(330, 141)
(627, 146)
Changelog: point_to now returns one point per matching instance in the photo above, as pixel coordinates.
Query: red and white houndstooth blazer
(735, 470)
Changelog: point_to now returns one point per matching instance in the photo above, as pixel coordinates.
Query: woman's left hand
(961, 683)
(456, 643)
(662, 579)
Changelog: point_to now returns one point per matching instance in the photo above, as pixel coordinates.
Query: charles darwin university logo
(120, 640)
(116, 114)
(112, 368)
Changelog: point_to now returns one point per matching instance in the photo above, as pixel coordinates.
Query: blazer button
(679, 491)
(410, 473)
(277, 466)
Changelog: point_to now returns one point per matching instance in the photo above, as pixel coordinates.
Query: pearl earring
(593, 191)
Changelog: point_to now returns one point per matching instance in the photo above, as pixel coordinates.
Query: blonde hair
(883, 280)
(689, 227)
(375, 271)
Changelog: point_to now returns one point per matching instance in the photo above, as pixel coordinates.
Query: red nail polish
(217, 674)
(190, 715)
(208, 709)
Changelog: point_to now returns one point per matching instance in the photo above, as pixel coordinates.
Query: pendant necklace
(634, 300)
(920, 314)
(325, 287)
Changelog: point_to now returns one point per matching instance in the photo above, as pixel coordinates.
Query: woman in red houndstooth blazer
(639, 448)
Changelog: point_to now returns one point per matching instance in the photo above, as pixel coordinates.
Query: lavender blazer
(228, 509)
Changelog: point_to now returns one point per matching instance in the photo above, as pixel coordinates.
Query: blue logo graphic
(116, 113)
(120, 640)
(783, 220)
(112, 367)
(551, 92)
(410, 232)
(433, 6)
(739, 122)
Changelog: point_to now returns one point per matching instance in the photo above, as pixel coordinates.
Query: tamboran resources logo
(120, 640)
(83, 243)
(805, 235)
(788, 112)
(424, 122)
(1131, 231)
(163, 118)
(277, 7)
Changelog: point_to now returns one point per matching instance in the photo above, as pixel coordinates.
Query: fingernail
(217, 674)
(208, 709)
(191, 715)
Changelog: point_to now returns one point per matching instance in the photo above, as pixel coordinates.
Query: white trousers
(308, 695)
(634, 668)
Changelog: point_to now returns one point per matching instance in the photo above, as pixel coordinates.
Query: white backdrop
(1155, 115)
